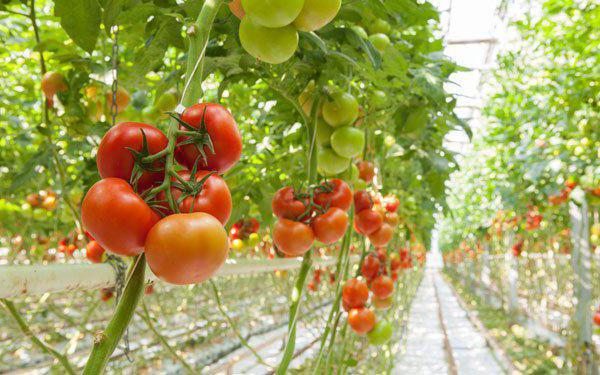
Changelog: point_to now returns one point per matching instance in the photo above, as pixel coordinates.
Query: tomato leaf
(81, 20)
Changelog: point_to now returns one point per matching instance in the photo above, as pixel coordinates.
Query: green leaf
(112, 9)
(81, 21)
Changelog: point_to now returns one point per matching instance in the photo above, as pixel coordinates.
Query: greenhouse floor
(441, 338)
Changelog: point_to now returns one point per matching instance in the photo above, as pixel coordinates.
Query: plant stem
(37, 342)
(106, 342)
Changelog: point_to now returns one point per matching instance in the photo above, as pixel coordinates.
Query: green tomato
(341, 109)
(354, 173)
(316, 14)
(360, 31)
(348, 141)
(359, 184)
(253, 239)
(324, 132)
(329, 163)
(379, 99)
(272, 45)
(380, 41)
(272, 13)
(166, 102)
(381, 333)
(380, 27)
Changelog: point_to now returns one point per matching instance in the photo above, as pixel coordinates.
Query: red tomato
(366, 171)
(115, 160)
(117, 217)
(286, 206)
(355, 293)
(391, 218)
(187, 248)
(382, 287)
(340, 195)
(292, 238)
(370, 267)
(362, 201)
(597, 318)
(368, 221)
(224, 135)
(214, 198)
(149, 289)
(312, 286)
(94, 252)
(362, 320)
(394, 275)
(106, 294)
(392, 204)
(330, 226)
(382, 236)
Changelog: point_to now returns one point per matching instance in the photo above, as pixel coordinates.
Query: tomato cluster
(373, 222)
(304, 217)
(45, 199)
(174, 215)
(278, 22)
(244, 232)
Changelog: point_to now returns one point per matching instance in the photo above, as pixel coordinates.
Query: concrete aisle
(451, 345)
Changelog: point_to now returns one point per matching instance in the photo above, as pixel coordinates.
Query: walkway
(441, 338)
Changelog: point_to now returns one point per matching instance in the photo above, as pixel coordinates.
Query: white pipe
(20, 280)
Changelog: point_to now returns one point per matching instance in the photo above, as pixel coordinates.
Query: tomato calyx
(198, 137)
(143, 161)
(190, 188)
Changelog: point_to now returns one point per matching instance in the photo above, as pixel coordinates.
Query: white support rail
(21, 280)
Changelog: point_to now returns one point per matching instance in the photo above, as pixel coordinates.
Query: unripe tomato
(281, 45)
(367, 222)
(362, 320)
(187, 248)
(381, 236)
(360, 31)
(235, 6)
(307, 99)
(224, 135)
(316, 14)
(348, 141)
(330, 226)
(391, 218)
(382, 303)
(286, 206)
(214, 198)
(52, 83)
(166, 102)
(380, 27)
(117, 217)
(379, 99)
(370, 267)
(324, 132)
(253, 239)
(330, 163)
(115, 160)
(380, 41)
(272, 13)
(381, 333)
(94, 252)
(340, 195)
(340, 109)
(123, 99)
(366, 171)
(382, 287)
(355, 293)
(292, 238)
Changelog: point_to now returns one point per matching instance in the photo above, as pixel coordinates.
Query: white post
(581, 261)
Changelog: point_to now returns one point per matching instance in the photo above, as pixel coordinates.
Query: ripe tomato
(149, 289)
(362, 320)
(597, 318)
(330, 226)
(282, 44)
(49, 202)
(186, 248)
(370, 267)
(123, 99)
(52, 83)
(382, 287)
(106, 294)
(348, 141)
(214, 198)
(286, 206)
(340, 109)
(330, 163)
(391, 218)
(237, 9)
(391, 204)
(33, 199)
(224, 135)
(273, 13)
(115, 160)
(340, 195)
(355, 293)
(366, 171)
(382, 303)
(292, 238)
(381, 236)
(312, 286)
(380, 41)
(362, 201)
(367, 222)
(381, 333)
(316, 14)
(94, 252)
(117, 217)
